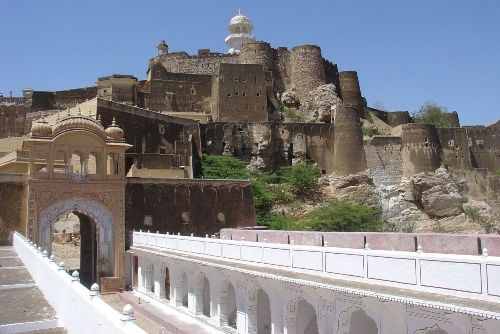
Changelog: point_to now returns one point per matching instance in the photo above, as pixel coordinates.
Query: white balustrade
(466, 276)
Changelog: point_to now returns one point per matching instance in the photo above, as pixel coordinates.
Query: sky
(406, 53)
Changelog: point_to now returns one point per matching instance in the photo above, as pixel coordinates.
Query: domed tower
(240, 32)
(348, 152)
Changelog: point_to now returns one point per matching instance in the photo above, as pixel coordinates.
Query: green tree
(223, 167)
(343, 217)
(434, 114)
(302, 179)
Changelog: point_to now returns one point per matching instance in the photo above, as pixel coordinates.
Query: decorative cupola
(114, 132)
(41, 129)
(240, 32)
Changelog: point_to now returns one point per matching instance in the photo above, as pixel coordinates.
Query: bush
(223, 167)
(293, 113)
(431, 113)
(370, 132)
(279, 222)
(343, 217)
(302, 178)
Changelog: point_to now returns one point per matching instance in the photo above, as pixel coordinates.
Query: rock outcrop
(322, 104)
(437, 193)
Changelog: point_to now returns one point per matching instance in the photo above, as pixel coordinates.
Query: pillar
(140, 273)
(159, 281)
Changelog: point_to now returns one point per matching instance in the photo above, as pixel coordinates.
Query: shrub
(223, 167)
(431, 113)
(343, 217)
(293, 113)
(370, 132)
(279, 222)
(302, 178)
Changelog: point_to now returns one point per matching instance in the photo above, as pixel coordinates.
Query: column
(178, 288)
(159, 281)
(140, 273)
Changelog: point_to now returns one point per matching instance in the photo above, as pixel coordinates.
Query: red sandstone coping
(449, 244)
(406, 242)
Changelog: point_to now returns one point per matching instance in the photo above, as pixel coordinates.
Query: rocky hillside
(427, 202)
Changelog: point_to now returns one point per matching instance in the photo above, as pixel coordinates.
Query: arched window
(76, 165)
(93, 164)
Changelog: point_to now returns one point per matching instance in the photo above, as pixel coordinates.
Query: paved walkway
(152, 315)
(23, 308)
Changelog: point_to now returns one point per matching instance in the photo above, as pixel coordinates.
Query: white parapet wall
(78, 311)
(467, 276)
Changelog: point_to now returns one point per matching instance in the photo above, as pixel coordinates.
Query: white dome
(240, 32)
(240, 19)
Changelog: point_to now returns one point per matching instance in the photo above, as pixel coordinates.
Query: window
(244, 94)
(479, 142)
(258, 94)
(236, 93)
(228, 94)
(148, 220)
(451, 143)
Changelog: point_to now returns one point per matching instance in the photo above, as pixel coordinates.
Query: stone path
(152, 315)
(23, 308)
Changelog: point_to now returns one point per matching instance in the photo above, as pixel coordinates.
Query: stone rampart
(188, 206)
(420, 149)
(13, 119)
(275, 144)
(383, 158)
(484, 145)
(181, 62)
(12, 209)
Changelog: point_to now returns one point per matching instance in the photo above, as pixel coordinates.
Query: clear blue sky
(405, 52)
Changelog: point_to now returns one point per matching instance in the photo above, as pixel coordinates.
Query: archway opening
(306, 318)
(206, 297)
(167, 283)
(361, 323)
(263, 313)
(74, 242)
(231, 306)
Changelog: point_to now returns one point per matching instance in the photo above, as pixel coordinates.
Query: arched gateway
(76, 166)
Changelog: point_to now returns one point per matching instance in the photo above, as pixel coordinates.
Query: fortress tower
(306, 69)
(420, 149)
(348, 153)
(240, 32)
(350, 90)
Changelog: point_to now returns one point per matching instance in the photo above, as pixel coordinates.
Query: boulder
(437, 193)
(290, 99)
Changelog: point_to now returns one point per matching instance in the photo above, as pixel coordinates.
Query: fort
(125, 156)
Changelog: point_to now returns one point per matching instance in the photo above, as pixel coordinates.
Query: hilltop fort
(270, 106)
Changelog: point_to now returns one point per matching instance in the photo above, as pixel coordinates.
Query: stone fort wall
(12, 119)
(272, 144)
(383, 158)
(188, 206)
(13, 206)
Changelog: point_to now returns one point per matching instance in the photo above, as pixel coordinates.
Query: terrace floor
(23, 308)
